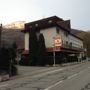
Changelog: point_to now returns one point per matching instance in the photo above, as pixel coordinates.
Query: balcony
(70, 46)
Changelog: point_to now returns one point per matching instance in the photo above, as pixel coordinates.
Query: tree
(4, 59)
(41, 50)
(33, 47)
(37, 48)
(13, 52)
(86, 40)
(13, 62)
(7, 59)
(14, 45)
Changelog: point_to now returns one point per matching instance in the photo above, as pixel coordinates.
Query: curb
(4, 77)
(67, 64)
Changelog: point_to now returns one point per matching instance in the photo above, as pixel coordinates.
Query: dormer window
(30, 26)
(66, 34)
(50, 21)
(57, 30)
(36, 25)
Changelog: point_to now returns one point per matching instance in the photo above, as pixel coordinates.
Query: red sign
(57, 41)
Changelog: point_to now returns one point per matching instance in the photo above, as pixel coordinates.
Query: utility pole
(54, 60)
(0, 34)
(56, 48)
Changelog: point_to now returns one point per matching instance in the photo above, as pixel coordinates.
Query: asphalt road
(71, 77)
(77, 81)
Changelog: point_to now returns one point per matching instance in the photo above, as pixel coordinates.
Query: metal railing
(71, 47)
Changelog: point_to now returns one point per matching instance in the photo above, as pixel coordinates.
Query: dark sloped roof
(50, 22)
(43, 23)
(54, 18)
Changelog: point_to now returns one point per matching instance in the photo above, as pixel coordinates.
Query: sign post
(54, 58)
(57, 44)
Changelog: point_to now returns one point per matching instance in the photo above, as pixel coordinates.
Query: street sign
(57, 41)
(57, 45)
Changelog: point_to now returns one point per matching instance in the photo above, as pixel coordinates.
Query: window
(57, 30)
(71, 44)
(66, 34)
(50, 21)
(66, 42)
(36, 25)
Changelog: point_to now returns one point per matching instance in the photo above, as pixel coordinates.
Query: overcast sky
(78, 11)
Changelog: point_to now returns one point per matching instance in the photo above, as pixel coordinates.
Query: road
(71, 77)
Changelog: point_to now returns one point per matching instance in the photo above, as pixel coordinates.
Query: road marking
(72, 76)
(49, 72)
(60, 82)
(82, 71)
(53, 85)
(4, 85)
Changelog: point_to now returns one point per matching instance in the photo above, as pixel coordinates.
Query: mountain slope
(15, 25)
(11, 36)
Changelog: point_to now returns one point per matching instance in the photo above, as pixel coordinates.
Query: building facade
(51, 28)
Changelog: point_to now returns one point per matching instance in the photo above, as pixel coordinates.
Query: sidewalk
(4, 77)
(71, 63)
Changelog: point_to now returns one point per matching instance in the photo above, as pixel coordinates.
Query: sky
(78, 11)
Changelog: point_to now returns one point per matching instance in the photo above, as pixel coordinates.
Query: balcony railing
(71, 47)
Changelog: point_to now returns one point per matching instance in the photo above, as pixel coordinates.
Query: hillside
(15, 25)
(78, 33)
(75, 31)
(11, 36)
